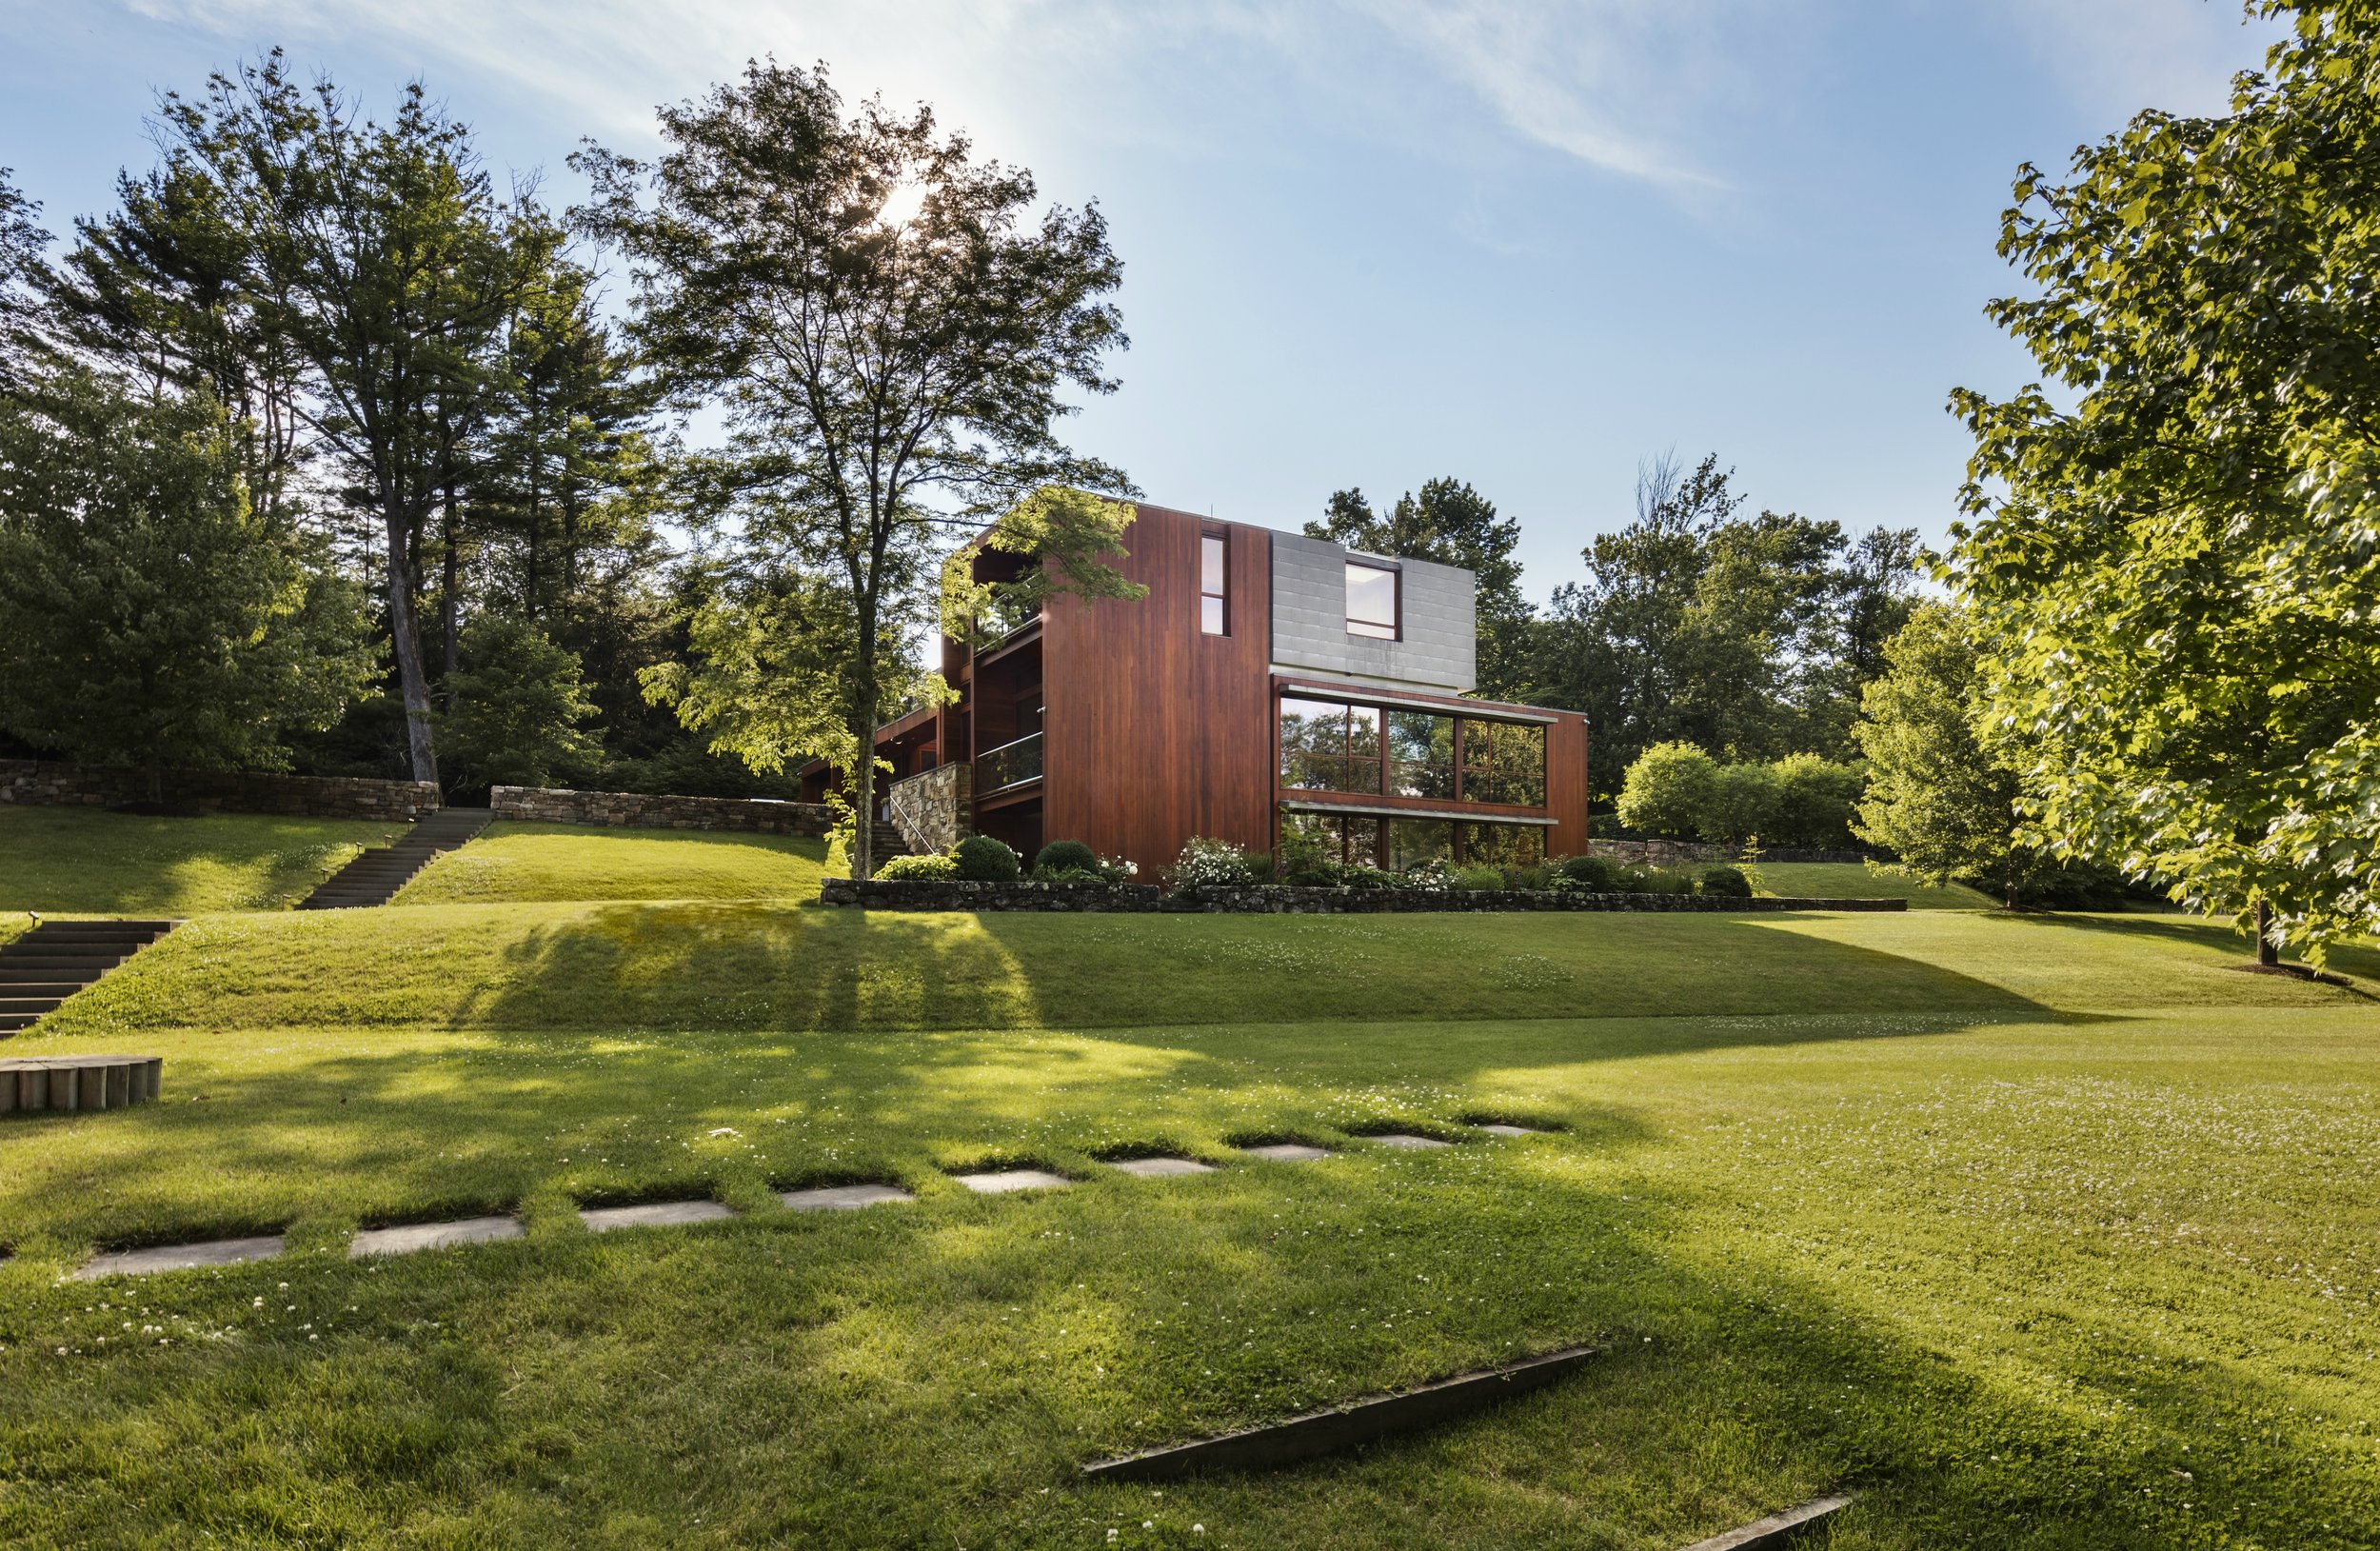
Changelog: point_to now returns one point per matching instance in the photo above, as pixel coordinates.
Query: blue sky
(1367, 242)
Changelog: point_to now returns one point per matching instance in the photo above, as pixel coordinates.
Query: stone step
(58, 988)
(42, 945)
(31, 968)
(29, 1004)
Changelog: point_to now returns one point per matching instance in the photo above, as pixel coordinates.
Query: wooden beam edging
(1777, 1529)
(1318, 1433)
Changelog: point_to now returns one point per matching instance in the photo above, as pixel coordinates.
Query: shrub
(1363, 875)
(1306, 861)
(1069, 856)
(1814, 797)
(1478, 878)
(981, 859)
(1592, 873)
(1724, 883)
(1668, 789)
(1218, 863)
(1741, 801)
(1537, 877)
(1433, 877)
(937, 868)
(1668, 881)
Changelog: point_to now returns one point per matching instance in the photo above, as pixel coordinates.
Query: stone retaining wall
(930, 894)
(43, 782)
(1671, 853)
(637, 810)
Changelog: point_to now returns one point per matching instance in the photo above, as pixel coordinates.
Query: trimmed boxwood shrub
(937, 868)
(984, 860)
(1726, 883)
(1592, 873)
(1068, 856)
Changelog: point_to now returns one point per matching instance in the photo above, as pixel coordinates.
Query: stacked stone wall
(1671, 853)
(931, 894)
(639, 810)
(46, 782)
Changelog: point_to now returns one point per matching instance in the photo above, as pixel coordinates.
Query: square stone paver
(1162, 1169)
(414, 1237)
(657, 1213)
(1407, 1141)
(1499, 1129)
(837, 1198)
(1287, 1152)
(138, 1263)
(1000, 1182)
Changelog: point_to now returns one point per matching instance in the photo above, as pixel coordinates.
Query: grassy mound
(515, 862)
(82, 861)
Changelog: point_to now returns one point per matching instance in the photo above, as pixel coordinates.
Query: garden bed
(934, 894)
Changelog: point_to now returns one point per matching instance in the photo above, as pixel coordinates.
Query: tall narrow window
(1371, 602)
(1214, 569)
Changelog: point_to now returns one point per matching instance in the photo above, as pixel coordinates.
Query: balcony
(1010, 765)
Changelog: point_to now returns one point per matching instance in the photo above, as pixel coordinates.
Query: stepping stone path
(138, 1263)
(1000, 1182)
(59, 958)
(1407, 1141)
(79, 1082)
(657, 1213)
(1287, 1152)
(1162, 1169)
(1502, 1129)
(374, 877)
(415, 1237)
(841, 1198)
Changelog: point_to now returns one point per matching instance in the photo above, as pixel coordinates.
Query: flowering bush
(1218, 863)
(938, 868)
(1431, 877)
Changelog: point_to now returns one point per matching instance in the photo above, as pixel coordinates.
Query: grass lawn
(1855, 881)
(515, 862)
(72, 861)
(2041, 1232)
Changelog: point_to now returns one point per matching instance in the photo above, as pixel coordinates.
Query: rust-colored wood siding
(1156, 731)
(1566, 784)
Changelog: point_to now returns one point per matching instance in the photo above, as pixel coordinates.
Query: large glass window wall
(1329, 745)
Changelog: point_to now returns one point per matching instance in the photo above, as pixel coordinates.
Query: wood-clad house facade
(1267, 681)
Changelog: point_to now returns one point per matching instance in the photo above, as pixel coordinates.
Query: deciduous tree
(2174, 558)
(150, 615)
(889, 329)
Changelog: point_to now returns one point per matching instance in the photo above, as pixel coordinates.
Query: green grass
(1857, 881)
(516, 863)
(85, 861)
(2042, 1232)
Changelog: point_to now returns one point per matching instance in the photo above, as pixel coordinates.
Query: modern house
(1267, 681)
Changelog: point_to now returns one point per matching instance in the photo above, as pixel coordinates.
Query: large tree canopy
(889, 331)
(2174, 558)
(150, 615)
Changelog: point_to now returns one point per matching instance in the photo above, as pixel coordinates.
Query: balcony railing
(1010, 765)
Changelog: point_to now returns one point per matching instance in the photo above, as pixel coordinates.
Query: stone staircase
(374, 877)
(59, 958)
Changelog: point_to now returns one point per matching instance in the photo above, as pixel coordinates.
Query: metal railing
(1010, 765)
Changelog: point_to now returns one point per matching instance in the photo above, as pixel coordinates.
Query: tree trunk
(2267, 953)
(405, 630)
(863, 773)
(449, 591)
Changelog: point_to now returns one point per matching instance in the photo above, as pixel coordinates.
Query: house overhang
(1366, 695)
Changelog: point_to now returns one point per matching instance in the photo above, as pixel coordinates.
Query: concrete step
(30, 1004)
(59, 988)
(39, 945)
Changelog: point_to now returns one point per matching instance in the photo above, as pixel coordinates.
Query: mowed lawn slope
(2037, 1232)
(64, 861)
(521, 863)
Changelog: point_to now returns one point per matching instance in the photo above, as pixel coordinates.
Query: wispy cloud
(1614, 83)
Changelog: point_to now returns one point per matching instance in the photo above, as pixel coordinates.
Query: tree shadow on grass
(936, 1373)
(697, 966)
(2361, 960)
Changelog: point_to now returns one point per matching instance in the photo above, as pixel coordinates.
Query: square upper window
(1371, 600)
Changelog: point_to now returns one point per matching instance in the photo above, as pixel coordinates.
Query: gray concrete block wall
(1440, 620)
